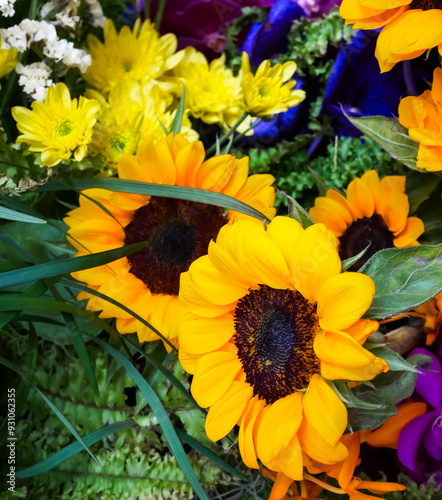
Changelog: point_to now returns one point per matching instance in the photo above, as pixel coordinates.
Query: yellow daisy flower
(212, 92)
(422, 115)
(270, 90)
(178, 231)
(8, 60)
(138, 56)
(374, 213)
(269, 318)
(410, 27)
(128, 116)
(59, 126)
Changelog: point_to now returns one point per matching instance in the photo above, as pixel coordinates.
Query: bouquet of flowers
(221, 249)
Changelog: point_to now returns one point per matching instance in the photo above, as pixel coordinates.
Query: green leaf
(196, 445)
(404, 278)
(161, 414)
(360, 419)
(51, 405)
(348, 397)
(296, 211)
(347, 263)
(72, 449)
(419, 187)
(66, 266)
(390, 135)
(320, 182)
(19, 206)
(394, 360)
(178, 118)
(7, 213)
(148, 189)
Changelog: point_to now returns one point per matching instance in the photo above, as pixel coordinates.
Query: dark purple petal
(433, 438)
(429, 382)
(411, 437)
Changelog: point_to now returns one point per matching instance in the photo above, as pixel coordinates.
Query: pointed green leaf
(320, 182)
(390, 135)
(145, 188)
(178, 118)
(66, 266)
(347, 263)
(296, 211)
(404, 278)
(7, 213)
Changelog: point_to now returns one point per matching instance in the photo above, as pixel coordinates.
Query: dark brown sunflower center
(274, 333)
(426, 4)
(178, 232)
(363, 232)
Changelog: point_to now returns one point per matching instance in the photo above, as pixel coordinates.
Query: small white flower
(35, 79)
(7, 7)
(14, 37)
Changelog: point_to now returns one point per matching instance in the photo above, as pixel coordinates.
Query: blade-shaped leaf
(178, 118)
(296, 211)
(7, 213)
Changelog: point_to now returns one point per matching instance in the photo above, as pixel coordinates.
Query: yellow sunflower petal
(324, 410)
(279, 423)
(360, 199)
(246, 439)
(343, 358)
(199, 335)
(414, 228)
(187, 162)
(317, 448)
(314, 260)
(343, 299)
(214, 375)
(285, 233)
(289, 461)
(226, 412)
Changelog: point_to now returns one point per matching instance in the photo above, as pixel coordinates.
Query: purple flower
(420, 441)
(200, 23)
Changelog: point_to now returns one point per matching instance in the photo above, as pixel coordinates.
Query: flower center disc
(426, 4)
(274, 335)
(363, 232)
(178, 232)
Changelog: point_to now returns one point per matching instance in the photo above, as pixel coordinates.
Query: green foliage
(136, 462)
(343, 160)
(415, 491)
(120, 11)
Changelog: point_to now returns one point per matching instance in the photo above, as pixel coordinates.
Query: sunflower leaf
(390, 135)
(347, 263)
(360, 419)
(296, 211)
(394, 360)
(404, 277)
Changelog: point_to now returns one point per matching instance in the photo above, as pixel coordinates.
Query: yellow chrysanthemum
(422, 115)
(129, 116)
(411, 27)
(178, 231)
(59, 126)
(212, 92)
(374, 213)
(270, 316)
(270, 90)
(8, 60)
(139, 56)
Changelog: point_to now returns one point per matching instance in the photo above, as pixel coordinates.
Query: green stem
(224, 137)
(160, 14)
(240, 136)
(146, 8)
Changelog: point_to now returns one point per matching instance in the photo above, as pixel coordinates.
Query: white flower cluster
(35, 79)
(68, 16)
(27, 32)
(7, 7)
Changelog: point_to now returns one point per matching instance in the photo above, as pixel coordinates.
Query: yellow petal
(279, 423)
(414, 228)
(343, 358)
(289, 461)
(246, 440)
(214, 375)
(226, 412)
(360, 199)
(324, 410)
(343, 299)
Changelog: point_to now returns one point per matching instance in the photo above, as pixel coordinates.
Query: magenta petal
(410, 438)
(433, 438)
(429, 382)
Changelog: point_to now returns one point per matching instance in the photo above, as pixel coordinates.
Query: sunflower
(59, 126)
(410, 27)
(375, 213)
(270, 90)
(422, 115)
(139, 56)
(178, 231)
(269, 319)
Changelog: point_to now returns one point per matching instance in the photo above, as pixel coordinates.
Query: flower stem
(240, 136)
(160, 14)
(324, 485)
(225, 136)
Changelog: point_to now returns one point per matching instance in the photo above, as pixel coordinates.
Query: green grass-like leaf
(7, 213)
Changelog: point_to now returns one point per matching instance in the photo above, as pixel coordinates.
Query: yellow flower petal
(246, 434)
(343, 299)
(324, 410)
